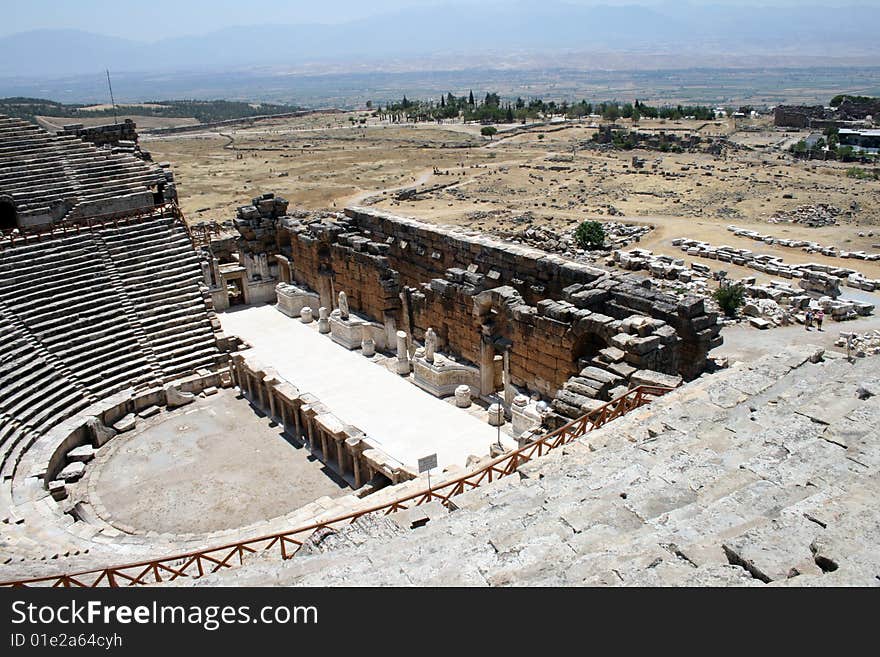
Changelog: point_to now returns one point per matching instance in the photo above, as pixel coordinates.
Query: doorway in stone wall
(235, 290)
(8, 214)
(585, 349)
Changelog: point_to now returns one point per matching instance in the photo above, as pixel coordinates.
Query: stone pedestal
(496, 415)
(524, 415)
(463, 397)
(442, 377)
(402, 356)
(292, 299)
(306, 316)
(348, 332)
(323, 320)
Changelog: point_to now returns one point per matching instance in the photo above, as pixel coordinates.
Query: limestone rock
(174, 398)
(100, 434)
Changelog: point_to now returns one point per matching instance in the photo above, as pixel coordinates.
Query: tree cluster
(492, 109)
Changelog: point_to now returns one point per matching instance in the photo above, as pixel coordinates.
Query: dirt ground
(198, 471)
(330, 161)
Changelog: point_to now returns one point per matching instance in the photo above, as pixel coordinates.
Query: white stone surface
(405, 422)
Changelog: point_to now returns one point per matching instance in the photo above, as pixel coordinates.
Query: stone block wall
(104, 135)
(551, 315)
(421, 252)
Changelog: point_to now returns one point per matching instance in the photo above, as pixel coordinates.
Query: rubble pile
(815, 277)
(805, 245)
(775, 304)
(861, 344)
(617, 235)
(814, 216)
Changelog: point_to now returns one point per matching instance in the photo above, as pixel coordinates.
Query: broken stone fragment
(58, 490)
(652, 378)
(73, 472)
(127, 423)
(99, 432)
(174, 398)
(83, 453)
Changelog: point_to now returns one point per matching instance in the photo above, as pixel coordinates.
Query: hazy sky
(154, 19)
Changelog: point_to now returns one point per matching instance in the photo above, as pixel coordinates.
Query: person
(820, 315)
(808, 319)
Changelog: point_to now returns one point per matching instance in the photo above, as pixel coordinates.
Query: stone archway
(493, 318)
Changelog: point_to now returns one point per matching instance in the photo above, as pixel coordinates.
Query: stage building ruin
(504, 317)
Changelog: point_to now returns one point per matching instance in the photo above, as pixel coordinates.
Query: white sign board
(426, 463)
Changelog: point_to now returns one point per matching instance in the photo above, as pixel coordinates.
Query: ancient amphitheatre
(269, 333)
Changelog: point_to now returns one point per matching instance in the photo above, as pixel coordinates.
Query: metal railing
(202, 233)
(287, 543)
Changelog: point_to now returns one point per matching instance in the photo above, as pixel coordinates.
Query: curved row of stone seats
(764, 473)
(38, 169)
(72, 333)
(107, 360)
(162, 276)
(35, 391)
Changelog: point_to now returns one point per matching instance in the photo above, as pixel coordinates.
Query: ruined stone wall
(542, 352)
(326, 267)
(104, 135)
(553, 315)
(421, 252)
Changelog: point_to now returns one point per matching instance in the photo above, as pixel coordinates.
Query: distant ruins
(850, 112)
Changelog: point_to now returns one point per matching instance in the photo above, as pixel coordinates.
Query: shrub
(730, 298)
(860, 174)
(590, 235)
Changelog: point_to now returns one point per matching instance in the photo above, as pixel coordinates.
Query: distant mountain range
(457, 33)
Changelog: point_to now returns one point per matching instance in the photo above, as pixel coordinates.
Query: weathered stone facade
(484, 298)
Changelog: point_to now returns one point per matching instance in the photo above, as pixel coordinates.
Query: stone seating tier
(86, 315)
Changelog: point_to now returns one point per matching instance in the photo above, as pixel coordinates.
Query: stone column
(368, 345)
(402, 356)
(325, 291)
(340, 458)
(508, 388)
(206, 273)
(215, 270)
(356, 467)
(430, 345)
(269, 392)
(310, 433)
(261, 392)
(487, 368)
(296, 421)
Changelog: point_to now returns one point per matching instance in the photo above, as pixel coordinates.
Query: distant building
(863, 141)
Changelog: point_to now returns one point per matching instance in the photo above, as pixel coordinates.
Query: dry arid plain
(544, 175)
